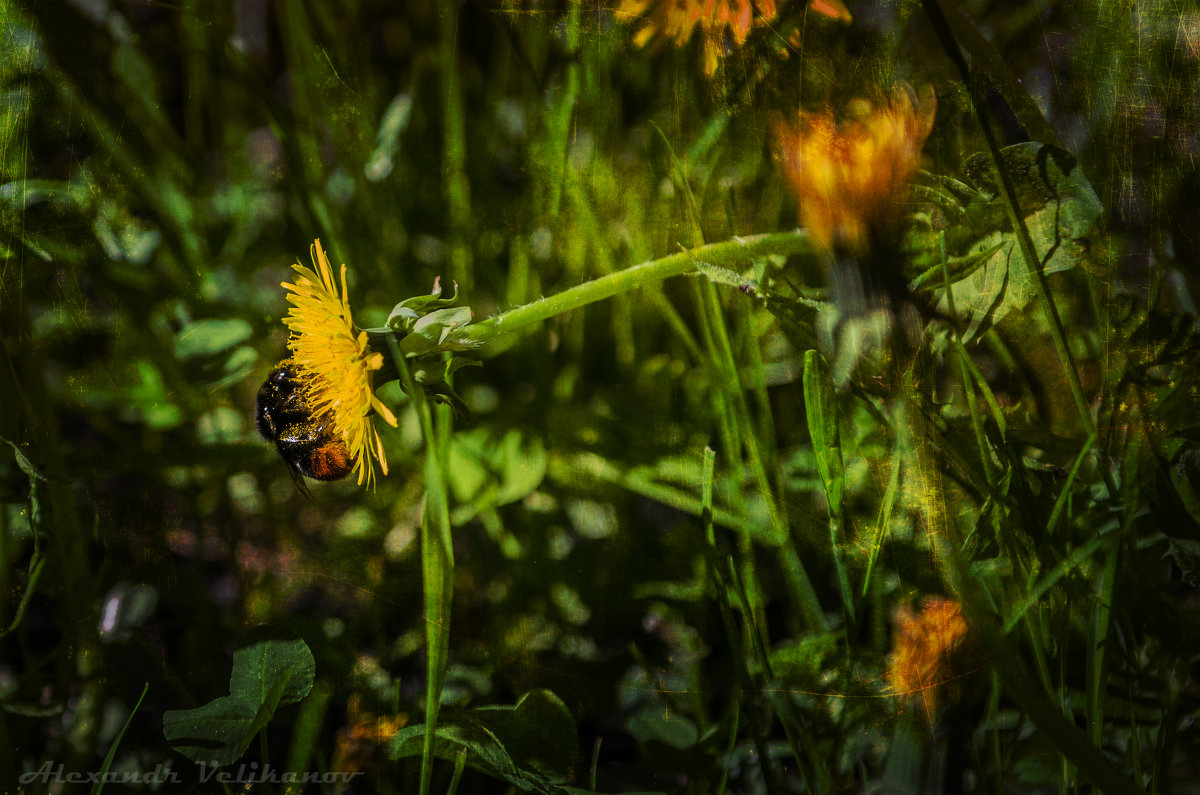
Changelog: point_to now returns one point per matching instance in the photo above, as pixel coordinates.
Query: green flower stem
(732, 253)
(437, 561)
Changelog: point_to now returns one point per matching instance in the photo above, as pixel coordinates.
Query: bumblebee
(308, 445)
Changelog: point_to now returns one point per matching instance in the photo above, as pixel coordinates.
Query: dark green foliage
(672, 530)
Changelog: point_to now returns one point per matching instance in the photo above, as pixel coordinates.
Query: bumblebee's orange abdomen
(330, 461)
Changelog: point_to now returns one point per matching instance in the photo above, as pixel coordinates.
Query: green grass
(670, 546)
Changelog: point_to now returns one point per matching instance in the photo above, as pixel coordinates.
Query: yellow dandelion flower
(927, 650)
(675, 20)
(334, 363)
(851, 180)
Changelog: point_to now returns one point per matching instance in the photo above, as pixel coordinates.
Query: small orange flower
(925, 649)
(834, 9)
(851, 179)
(359, 742)
(674, 20)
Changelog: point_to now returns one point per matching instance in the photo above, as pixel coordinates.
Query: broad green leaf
(270, 669)
(215, 733)
(265, 657)
(1060, 208)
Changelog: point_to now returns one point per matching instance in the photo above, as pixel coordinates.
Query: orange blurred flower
(927, 650)
(674, 20)
(366, 736)
(851, 179)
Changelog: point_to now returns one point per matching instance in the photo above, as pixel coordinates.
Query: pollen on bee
(331, 462)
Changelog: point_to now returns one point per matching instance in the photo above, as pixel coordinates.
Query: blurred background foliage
(163, 164)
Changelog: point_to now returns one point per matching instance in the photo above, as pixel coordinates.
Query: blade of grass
(800, 740)
(437, 559)
(1073, 744)
(560, 116)
(595, 763)
(884, 521)
(966, 368)
(820, 407)
(1097, 672)
(727, 759)
(622, 315)
(460, 764)
(1071, 561)
(771, 775)
(1102, 610)
(454, 146)
(587, 469)
(112, 749)
(300, 134)
(307, 729)
(738, 426)
(1064, 494)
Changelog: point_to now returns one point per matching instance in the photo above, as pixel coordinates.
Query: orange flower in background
(834, 9)
(851, 180)
(367, 737)
(926, 646)
(674, 20)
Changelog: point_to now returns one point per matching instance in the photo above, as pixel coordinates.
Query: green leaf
(531, 745)
(653, 723)
(486, 472)
(271, 668)
(820, 404)
(405, 313)
(1060, 209)
(215, 733)
(1184, 473)
(1186, 554)
(266, 656)
(432, 332)
(804, 660)
(211, 336)
(387, 137)
(718, 275)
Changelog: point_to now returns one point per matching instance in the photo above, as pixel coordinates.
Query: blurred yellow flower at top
(674, 20)
(851, 180)
(334, 363)
(926, 650)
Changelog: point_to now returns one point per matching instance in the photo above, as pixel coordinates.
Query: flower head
(926, 646)
(334, 363)
(674, 20)
(851, 179)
